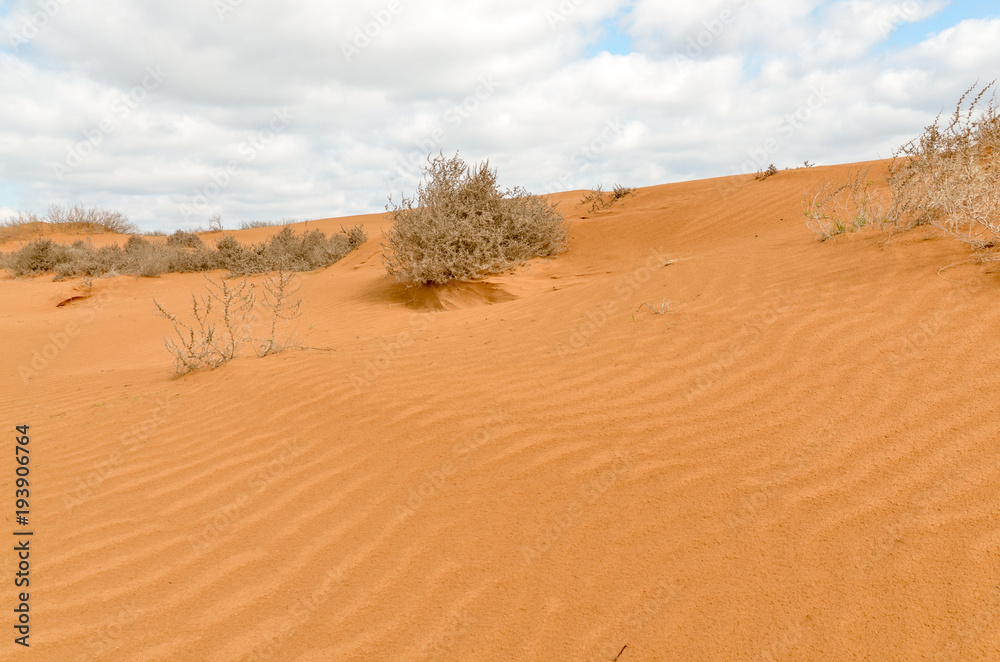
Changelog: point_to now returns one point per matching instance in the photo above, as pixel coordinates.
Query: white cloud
(709, 85)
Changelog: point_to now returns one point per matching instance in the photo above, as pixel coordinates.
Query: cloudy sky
(172, 111)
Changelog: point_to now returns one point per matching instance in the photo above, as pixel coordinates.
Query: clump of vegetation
(847, 207)
(249, 225)
(76, 219)
(182, 239)
(227, 318)
(764, 174)
(289, 251)
(599, 200)
(948, 178)
(183, 252)
(461, 226)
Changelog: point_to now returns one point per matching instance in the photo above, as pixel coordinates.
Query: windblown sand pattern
(797, 460)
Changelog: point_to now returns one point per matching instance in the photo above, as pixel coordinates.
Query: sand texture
(797, 460)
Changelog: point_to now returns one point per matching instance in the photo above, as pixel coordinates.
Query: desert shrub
(764, 174)
(227, 317)
(948, 177)
(141, 257)
(599, 200)
(180, 260)
(38, 256)
(848, 207)
(288, 251)
(220, 325)
(280, 306)
(238, 258)
(461, 226)
(250, 225)
(66, 219)
(181, 239)
(78, 215)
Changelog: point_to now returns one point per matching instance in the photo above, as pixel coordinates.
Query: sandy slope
(798, 461)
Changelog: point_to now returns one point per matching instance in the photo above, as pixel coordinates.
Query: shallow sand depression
(796, 460)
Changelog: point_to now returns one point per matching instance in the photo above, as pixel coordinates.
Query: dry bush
(225, 318)
(76, 219)
(948, 177)
(36, 257)
(764, 174)
(19, 225)
(286, 250)
(599, 200)
(181, 239)
(220, 325)
(91, 217)
(143, 258)
(183, 252)
(280, 305)
(847, 207)
(461, 226)
(250, 225)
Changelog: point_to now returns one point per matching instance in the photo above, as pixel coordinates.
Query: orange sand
(797, 461)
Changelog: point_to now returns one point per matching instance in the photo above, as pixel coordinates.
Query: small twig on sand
(663, 310)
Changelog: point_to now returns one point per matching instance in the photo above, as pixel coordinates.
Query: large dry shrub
(461, 226)
(948, 177)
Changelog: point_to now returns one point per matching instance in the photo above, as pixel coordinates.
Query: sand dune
(796, 461)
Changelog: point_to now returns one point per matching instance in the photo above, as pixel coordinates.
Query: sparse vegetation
(764, 174)
(847, 207)
(663, 309)
(76, 220)
(946, 178)
(226, 319)
(461, 226)
(182, 239)
(183, 252)
(599, 200)
(250, 225)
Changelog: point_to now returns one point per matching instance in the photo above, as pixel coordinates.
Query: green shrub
(460, 226)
